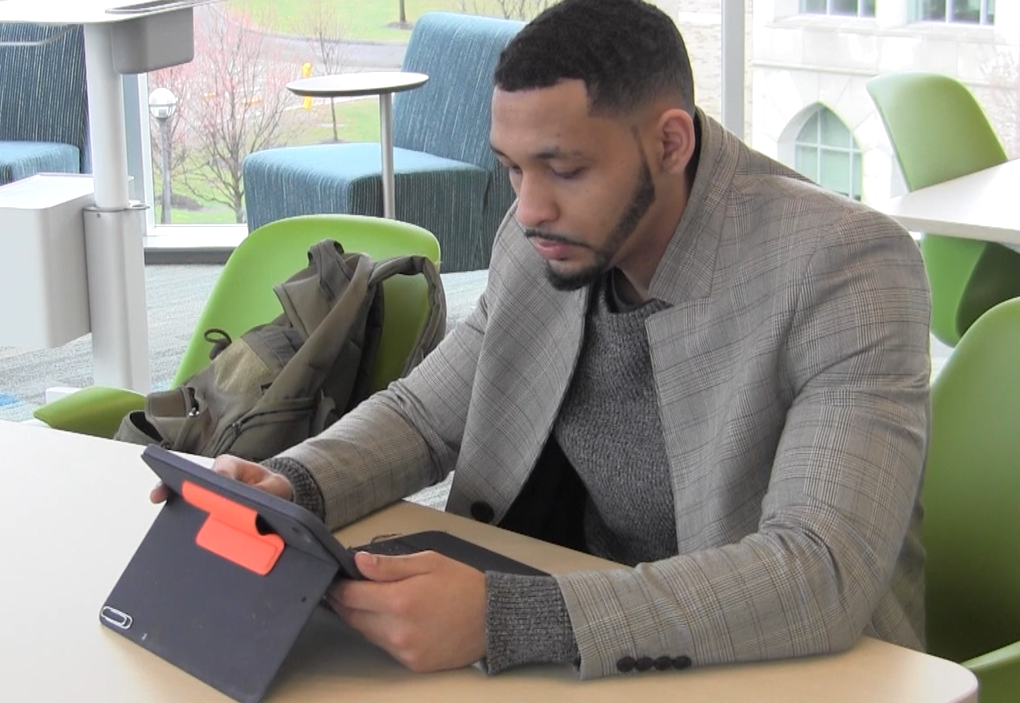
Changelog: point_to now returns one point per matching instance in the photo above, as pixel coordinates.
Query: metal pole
(386, 134)
(164, 147)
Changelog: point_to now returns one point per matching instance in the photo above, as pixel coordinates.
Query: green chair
(243, 297)
(971, 494)
(939, 132)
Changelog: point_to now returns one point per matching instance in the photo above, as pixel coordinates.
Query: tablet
(300, 529)
(227, 576)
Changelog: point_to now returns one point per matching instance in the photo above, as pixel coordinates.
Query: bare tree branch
(1002, 101)
(328, 40)
(239, 102)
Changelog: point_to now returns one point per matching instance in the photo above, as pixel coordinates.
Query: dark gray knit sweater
(610, 431)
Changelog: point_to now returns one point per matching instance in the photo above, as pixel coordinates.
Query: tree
(403, 14)
(328, 41)
(511, 9)
(238, 99)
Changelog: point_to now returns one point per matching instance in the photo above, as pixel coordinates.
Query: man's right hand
(240, 470)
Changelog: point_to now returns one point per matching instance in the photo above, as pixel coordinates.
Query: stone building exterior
(806, 75)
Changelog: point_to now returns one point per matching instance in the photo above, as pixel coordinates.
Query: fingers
(254, 475)
(159, 493)
(377, 567)
(380, 572)
(240, 470)
(428, 621)
(235, 468)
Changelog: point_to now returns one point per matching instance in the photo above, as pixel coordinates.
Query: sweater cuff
(307, 493)
(526, 622)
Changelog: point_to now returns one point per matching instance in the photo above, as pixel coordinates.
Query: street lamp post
(162, 104)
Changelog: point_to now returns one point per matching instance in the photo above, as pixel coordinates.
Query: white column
(1007, 21)
(891, 13)
(733, 66)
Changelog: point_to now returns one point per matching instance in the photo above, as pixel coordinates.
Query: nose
(535, 205)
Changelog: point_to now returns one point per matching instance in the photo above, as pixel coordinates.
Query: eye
(568, 175)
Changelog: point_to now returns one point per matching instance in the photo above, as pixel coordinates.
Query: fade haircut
(627, 52)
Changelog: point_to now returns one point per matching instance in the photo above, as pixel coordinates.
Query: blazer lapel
(523, 374)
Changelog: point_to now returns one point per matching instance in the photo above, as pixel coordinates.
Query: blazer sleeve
(401, 439)
(843, 485)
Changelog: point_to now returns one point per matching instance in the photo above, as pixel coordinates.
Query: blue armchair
(447, 179)
(43, 109)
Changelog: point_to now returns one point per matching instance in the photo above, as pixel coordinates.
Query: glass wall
(232, 99)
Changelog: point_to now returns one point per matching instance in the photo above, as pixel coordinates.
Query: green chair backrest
(243, 296)
(939, 132)
(971, 492)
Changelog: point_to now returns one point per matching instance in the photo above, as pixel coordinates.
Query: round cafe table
(381, 83)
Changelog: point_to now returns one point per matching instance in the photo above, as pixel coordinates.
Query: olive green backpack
(289, 379)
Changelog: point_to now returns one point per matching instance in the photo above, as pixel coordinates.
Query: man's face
(582, 182)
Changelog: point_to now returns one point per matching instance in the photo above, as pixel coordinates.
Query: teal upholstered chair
(939, 132)
(971, 491)
(43, 110)
(447, 179)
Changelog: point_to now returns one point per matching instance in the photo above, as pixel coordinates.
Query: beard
(640, 201)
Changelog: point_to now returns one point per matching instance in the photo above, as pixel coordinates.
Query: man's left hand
(426, 610)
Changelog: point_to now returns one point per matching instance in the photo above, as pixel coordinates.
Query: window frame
(856, 176)
(830, 10)
(984, 20)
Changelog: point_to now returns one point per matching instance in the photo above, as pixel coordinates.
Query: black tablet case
(227, 577)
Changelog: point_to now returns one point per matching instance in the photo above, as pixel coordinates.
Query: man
(688, 360)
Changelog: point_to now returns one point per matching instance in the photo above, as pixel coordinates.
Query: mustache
(551, 237)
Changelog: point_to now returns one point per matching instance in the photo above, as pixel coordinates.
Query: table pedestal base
(117, 308)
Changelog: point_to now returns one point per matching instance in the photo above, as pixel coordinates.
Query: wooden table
(984, 205)
(381, 83)
(74, 508)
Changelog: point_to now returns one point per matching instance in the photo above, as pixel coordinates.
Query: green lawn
(365, 20)
(357, 121)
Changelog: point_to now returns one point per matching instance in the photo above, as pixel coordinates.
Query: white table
(381, 83)
(984, 205)
(74, 508)
(115, 226)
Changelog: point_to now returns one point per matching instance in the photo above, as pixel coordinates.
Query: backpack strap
(307, 370)
(434, 328)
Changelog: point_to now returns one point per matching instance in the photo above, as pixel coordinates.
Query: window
(851, 8)
(232, 101)
(827, 153)
(963, 11)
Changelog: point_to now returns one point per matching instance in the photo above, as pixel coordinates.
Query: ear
(676, 135)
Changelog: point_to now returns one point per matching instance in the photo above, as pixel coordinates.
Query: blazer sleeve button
(644, 664)
(663, 663)
(482, 511)
(626, 664)
(682, 662)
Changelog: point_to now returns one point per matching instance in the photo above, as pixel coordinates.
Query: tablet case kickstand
(214, 592)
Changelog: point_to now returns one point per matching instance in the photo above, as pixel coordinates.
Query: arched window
(827, 153)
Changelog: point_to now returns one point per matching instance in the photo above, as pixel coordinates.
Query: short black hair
(627, 52)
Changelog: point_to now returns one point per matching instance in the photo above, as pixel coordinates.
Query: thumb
(377, 567)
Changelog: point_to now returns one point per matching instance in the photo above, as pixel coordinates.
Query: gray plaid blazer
(792, 373)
